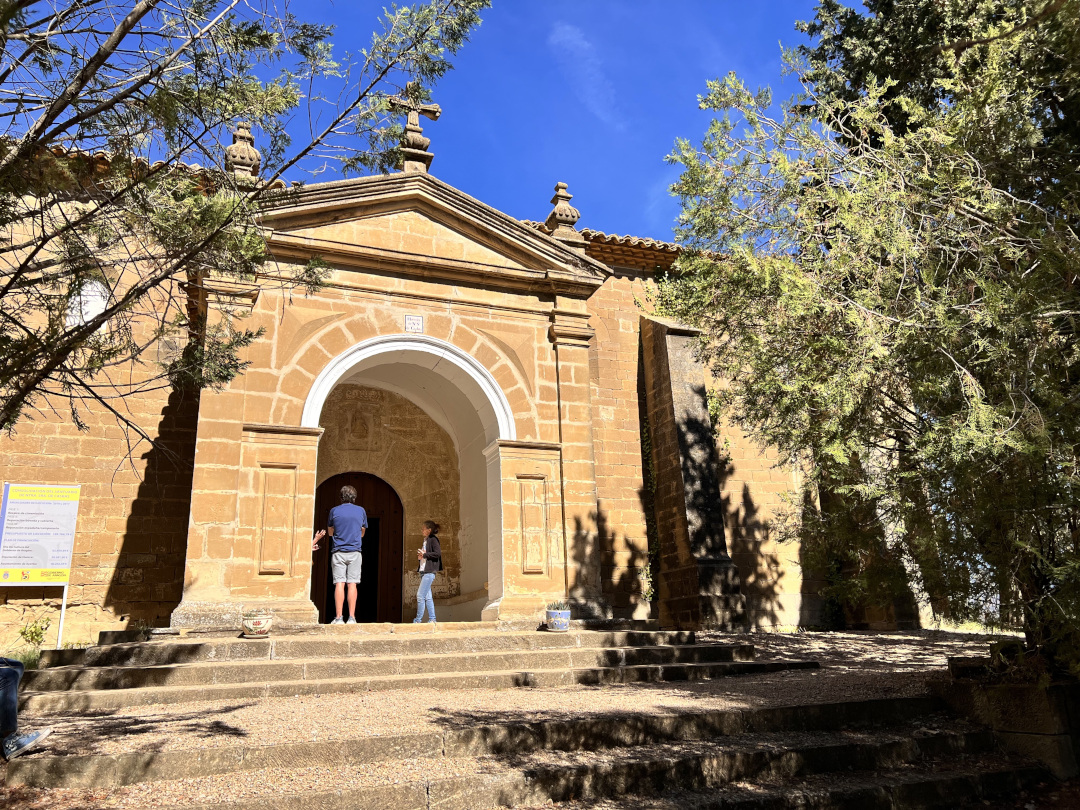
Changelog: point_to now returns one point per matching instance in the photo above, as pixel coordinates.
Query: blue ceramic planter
(558, 621)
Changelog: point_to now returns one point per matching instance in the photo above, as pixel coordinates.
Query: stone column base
(490, 613)
(532, 607)
(590, 607)
(195, 615)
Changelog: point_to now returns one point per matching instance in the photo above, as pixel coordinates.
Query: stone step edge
(593, 733)
(52, 659)
(254, 663)
(74, 700)
(884, 788)
(402, 628)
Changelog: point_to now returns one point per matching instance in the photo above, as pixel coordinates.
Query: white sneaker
(338, 620)
(351, 620)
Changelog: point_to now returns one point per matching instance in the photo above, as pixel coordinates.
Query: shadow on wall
(148, 578)
(621, 581)
(863, 585)
(717, 524)
(750, 547)
(724, 523)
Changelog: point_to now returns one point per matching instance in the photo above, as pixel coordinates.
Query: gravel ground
(854, 666)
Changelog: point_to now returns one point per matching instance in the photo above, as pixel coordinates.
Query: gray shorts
(346, 566)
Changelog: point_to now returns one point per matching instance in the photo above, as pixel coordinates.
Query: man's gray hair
(348, 495)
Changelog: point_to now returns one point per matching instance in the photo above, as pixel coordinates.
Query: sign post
(37, 538)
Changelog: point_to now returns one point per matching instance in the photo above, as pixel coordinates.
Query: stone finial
(414, 145)
(562, 219)
(241, 157)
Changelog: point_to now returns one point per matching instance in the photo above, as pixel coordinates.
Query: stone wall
(754, 489)
(128, 563)
(752, 485)
(617, 433)
(380, 432)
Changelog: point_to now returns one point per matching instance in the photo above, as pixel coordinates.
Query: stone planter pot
(558, 621)
(257, 625)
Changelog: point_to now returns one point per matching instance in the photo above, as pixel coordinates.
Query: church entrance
(378, 596)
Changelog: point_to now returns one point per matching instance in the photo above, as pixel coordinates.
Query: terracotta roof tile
(599, 237)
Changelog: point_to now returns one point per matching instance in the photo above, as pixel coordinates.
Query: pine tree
(119, 199)
(886, 272)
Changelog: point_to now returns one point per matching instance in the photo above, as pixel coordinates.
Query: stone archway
(404, 392)
(460, 370)
(388, 436)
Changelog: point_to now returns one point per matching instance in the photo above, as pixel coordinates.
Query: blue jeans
(423, 596)
(11, 672)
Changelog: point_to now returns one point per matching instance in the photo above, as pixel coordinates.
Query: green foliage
(118, 211)
(213, 361)
(33, 633)
(558, 604)
(29, 656)
(886, 273)
(647, 577)
(314, 274)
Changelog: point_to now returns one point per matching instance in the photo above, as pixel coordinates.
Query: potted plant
(558, 616)
(257, 622)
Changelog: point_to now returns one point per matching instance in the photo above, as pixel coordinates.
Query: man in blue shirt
(347, 525)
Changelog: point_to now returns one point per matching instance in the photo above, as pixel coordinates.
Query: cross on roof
(415, 108)
(414, 145)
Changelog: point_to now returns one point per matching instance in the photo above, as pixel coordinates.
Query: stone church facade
(497, 376)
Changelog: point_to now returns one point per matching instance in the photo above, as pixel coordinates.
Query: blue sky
(592, 93)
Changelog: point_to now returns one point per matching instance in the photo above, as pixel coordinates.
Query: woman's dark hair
(431, 524)
(348, 494)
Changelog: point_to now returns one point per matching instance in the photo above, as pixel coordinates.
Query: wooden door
(379, 591)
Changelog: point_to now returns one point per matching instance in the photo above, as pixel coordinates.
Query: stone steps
(649, 770)
(408, 628)
(500, 740)
(973, 783)
(320, 668)
(353, 659)
(350, 641)
(91, 700)
(888, 753)
(889, 790)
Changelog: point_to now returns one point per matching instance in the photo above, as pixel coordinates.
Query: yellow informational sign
(37, 533)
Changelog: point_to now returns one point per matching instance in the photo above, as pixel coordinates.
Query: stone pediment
(419, 226)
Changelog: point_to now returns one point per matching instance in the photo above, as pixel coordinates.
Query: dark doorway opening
(379, 592)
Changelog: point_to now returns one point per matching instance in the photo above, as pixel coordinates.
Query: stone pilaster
(570, 333)
(249, 545)
(699, 585)
(252, 501)
(533, 565)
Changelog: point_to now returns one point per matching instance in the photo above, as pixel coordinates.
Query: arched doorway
(462, 398)
(379, 593)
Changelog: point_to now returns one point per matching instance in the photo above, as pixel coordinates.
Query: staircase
(891, 753)
(333, 660)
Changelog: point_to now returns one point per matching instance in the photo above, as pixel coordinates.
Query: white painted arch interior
(463, 398)
(460, 370)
